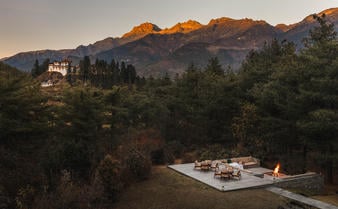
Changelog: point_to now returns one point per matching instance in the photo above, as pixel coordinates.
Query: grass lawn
(332, 199)
(331, 195)
(167, 189)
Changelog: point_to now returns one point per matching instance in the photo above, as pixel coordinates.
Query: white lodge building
(60, 67)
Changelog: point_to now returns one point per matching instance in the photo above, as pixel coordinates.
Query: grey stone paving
(301, 198)
(259, 170)
(248, 180)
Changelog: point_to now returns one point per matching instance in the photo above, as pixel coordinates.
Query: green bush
(69, 194)
(162, 156)
(176, 148)
(138, 163)
(214, 152)
(189, 157)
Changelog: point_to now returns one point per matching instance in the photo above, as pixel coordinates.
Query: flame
(276, 170)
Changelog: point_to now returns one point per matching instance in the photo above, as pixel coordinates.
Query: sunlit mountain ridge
(156, 51)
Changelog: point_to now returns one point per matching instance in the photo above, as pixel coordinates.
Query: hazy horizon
(46, 24)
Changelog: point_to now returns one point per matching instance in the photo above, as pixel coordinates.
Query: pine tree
(319, 94)
(44, 66)
(21, 105)
(36, 69)
(124, 73)
(69, 75)
(214, 66)
(85, 69)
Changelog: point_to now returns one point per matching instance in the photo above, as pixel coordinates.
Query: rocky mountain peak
(283, 27)
(191, 24)
(331, 14)
(184, 27)
(331, 11)
(143, 29)
(219, 20)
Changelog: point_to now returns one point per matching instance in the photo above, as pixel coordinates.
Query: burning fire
(275, 171)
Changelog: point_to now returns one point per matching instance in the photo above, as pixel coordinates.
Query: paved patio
(248, 180)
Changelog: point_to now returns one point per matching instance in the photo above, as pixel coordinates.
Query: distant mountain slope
(300, 30)
(228, 39)
(24, 61)
(155, 51)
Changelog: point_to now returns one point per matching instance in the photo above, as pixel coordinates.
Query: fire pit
(280, 175)
(276, 174)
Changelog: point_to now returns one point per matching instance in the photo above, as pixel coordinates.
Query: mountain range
(155, 51)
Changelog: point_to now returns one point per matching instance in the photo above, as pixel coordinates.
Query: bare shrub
(108, 177)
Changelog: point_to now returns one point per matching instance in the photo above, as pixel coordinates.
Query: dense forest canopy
(107, 125)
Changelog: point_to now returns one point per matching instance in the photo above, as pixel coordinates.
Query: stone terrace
(248, 180)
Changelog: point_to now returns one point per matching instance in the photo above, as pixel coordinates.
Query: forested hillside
(81, 144)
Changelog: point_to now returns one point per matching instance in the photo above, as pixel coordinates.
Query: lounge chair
(214, 165)
(205, 166)
(247, 162)
(225, 175)
(217, 172)
(198, 165)
(209, 162)
(237, 174)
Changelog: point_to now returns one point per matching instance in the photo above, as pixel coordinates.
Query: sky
(29, 25)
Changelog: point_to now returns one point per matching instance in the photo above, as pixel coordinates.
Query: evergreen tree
(83, 110)
(23, 131)
(245, 131)
(39, 69)
(21, 106)
(76, 132)
(115, 72)
(85, 69)
(131, 74)
(321, 35)
(166, 79)
(124, 73)
(214, 66)
(69, 75)
(36, 69)
(44, 66)
(319, 94)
